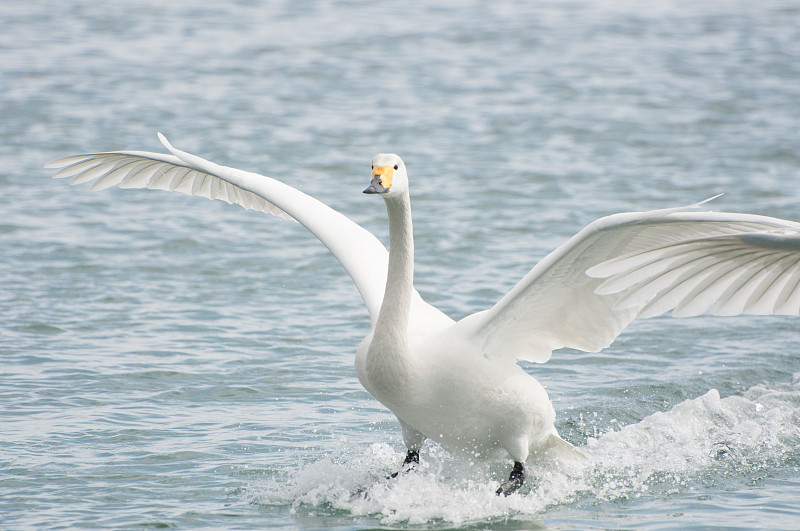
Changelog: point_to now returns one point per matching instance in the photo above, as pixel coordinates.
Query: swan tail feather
(561, 450)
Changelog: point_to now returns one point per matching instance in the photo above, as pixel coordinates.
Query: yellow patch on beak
(385, 174)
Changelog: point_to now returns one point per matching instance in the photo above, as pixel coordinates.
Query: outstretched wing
(642, 264)
(363, 256)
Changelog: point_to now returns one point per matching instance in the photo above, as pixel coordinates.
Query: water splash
(706, 441)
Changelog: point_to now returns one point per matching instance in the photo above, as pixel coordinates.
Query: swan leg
(412, 437)
(515, 480)
(413, 440)
(412, 459)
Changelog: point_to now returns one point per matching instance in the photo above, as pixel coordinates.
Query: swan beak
(381, 180)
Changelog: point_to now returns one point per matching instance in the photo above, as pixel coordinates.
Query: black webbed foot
(515, 480)
(412, 458)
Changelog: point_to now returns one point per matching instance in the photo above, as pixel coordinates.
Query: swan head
(388, 176)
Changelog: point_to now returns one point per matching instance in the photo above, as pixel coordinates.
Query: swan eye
(395, 166)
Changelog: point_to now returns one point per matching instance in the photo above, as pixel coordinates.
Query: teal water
(172, 362)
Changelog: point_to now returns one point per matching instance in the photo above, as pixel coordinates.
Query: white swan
(458, 383)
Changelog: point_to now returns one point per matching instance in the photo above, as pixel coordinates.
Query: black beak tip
(374, 189)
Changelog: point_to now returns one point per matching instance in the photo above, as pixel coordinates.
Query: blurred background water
(172, 362)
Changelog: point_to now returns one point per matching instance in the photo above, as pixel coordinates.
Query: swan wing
(363, 256)
(643, 264)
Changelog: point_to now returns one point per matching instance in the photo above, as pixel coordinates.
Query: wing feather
(77, 167)
(790, 297)
(95, 171)
(115, 175)
(706, 292)
(140, 178)
(733, 283)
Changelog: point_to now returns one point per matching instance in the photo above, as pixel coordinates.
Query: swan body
(458, 383)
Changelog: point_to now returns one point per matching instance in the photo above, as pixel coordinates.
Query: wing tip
(61, 162)
(704, 201)
(164, 141)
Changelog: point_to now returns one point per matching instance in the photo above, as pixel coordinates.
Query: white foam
(702, 440)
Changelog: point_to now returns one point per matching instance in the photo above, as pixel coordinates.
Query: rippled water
(174, 362)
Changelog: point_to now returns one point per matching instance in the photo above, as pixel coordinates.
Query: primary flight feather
(458, 383)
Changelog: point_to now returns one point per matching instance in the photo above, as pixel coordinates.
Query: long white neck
(388, 360)
(393, 316)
